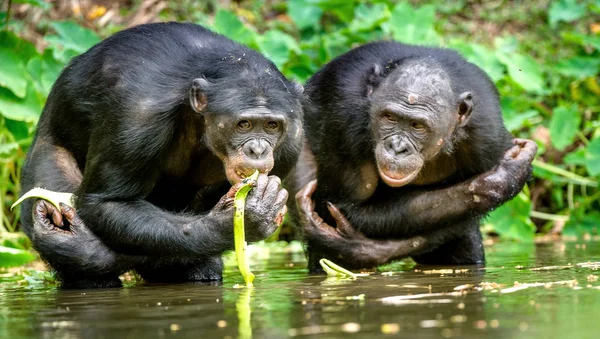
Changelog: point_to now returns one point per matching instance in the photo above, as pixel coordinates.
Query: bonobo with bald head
(150, 129)
(410, 151)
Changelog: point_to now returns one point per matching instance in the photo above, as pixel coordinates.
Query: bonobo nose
(398, 146)
(256, 149)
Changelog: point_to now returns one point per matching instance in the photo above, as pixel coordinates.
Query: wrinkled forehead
(420, 81)
(254, 95)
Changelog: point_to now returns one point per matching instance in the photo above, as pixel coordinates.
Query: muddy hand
(507, 179)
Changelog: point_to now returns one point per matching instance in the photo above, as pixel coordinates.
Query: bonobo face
(413, 115)
(245, 130)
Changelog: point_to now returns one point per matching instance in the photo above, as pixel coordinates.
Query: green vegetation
(544, 57)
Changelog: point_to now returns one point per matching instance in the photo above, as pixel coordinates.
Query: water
(286, 302)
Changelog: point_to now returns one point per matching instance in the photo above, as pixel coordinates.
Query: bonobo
(150, 129)
(411, 152)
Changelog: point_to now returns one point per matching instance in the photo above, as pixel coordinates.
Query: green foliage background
(544, 57)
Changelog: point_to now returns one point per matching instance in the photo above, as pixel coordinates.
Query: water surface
(525, 291)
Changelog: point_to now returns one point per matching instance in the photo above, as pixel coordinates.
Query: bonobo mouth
(237, 174)
(396, 179)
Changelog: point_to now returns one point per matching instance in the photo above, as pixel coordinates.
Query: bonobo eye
(271, 125)
(390, 117)
(417, 126)
(244, 125)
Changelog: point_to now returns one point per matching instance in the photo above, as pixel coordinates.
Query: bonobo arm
(122, 169)
(349, 247)
(423, 211)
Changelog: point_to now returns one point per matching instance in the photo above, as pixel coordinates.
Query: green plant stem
(548, 216)
(7, 15)
(570, 200)
(574, 178)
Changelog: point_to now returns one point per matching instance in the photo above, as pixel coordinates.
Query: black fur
(120, 114)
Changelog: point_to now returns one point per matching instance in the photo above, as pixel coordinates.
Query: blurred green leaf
(10, 257)
(592, 157)
(524, 70)
(277, 46)
(512, 221)
(367, 17)
(576, 158)
(583, 39)
(564, 125)
(228, 24)
(482, 57)
(19, 129)
(565, 10)
(71, 40)
(27, 109)
(579, 67)
(581, 223)
(514, 120)
(343, 9)
(305, 13)
(12, 72)
(413, 25)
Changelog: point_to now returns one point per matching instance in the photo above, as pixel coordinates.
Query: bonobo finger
(512, 152)
(261, 186)
(342, 223)
(282, 197)
(304, 197)
(72, 217)
(272, 188)
(280, 216)
(41, 212)
(528, 150)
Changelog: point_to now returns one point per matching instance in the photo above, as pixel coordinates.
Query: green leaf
(7, 149)
(343, 9)
(515, 120)
(367, 17)
(482, 57)
(22, 47)
(228, 24)
(27, 109)
(576, 158)
(524, 70)
(71, 40)
(592, 157)
(19, 129)
(565, 10)
(512, 221)
(579, 67)
(12, 72)
(10, 257)
(583, 39)
(45, 69)
(413, 26)
(305, 13)
(277, 46)
(564, 125)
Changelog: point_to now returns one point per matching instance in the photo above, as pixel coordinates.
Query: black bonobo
(150, 129)
(411, 152)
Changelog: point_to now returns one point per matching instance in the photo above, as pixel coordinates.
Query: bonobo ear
(197, 96)
(373, 78)
(465, 107)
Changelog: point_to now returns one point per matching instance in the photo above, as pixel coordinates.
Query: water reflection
(513, 296)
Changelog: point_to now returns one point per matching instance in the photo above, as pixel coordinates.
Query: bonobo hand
(344, 244)
(66, 232)
(265, 207)
(313, 224)
(506, 180)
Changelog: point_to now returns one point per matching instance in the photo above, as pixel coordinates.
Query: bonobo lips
(397, 180)
(236, 175)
